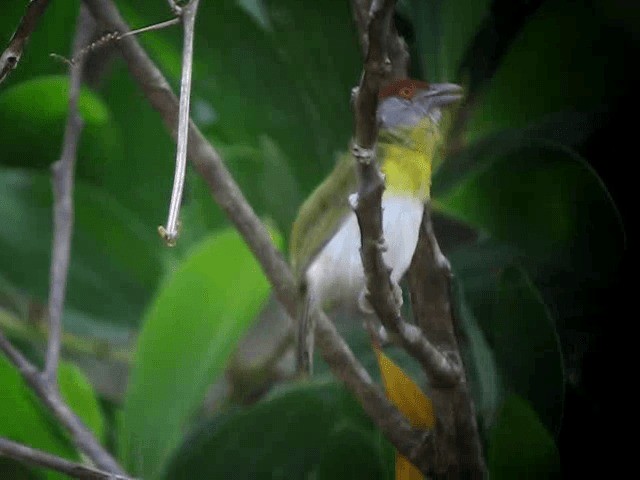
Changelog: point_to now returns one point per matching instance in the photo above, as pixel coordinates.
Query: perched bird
(325, 240)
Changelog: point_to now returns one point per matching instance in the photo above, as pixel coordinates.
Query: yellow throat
(406, 155)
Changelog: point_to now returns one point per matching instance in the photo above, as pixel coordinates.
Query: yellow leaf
(404, 393)
(410, 400)
(405, 469)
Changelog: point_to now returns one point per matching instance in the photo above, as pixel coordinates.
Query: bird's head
(404, 103)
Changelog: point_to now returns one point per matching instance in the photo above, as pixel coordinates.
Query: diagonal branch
(12, 54)
(32, 456)
(412, 443)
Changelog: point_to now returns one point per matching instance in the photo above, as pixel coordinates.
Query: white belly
(336, 275)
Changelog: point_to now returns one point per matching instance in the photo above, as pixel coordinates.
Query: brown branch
(207, 161)
(457, 442)
(44, 383)
(378, 69)
(31, 456)
(13, 53)
(360, 14)
(455, 446)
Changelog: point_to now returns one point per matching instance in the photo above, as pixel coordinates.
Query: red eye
(406, 92)
(404, 88)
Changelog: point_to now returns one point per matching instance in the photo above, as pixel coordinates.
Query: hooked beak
(442, 94)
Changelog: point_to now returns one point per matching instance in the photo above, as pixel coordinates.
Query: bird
(325, 238)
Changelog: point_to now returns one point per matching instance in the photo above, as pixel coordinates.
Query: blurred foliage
(190, 330)
(310, 429)
(533, 149)
(24, 419)
(520, 446)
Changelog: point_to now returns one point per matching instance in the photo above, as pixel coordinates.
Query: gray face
(397, 111)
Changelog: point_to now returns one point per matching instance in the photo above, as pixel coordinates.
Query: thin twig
(150, 28)
(31, 456)
(112, 37)
(62, 183)
(188, 15)
(410, 442)
(44, 384)
(13, 53)
(175, 8)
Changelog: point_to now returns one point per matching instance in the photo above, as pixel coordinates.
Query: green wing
(321, 215)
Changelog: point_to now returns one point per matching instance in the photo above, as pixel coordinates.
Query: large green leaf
(544, 199)
(565, 57)
(308, 430)
(114, 262)
(352, 453)
(32, 120)
(520, 446)
(25, 420)
(260, 172)
(302, 106)
(569, 129)
(190, 330)
(526, 346)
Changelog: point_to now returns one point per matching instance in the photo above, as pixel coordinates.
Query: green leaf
(443, 31)
(115, 258)
(32, 119)
(520, 446)
(479, 361)
(78, 393)
(351, 453)
(543, 199)
(260, 172)
(191, 328)
(526, 346)
(568, 128)
(460, 21)
(565, 38)
(23, 418)
(18, 471)
(296, 432)
(302, 106)
(140, 177)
